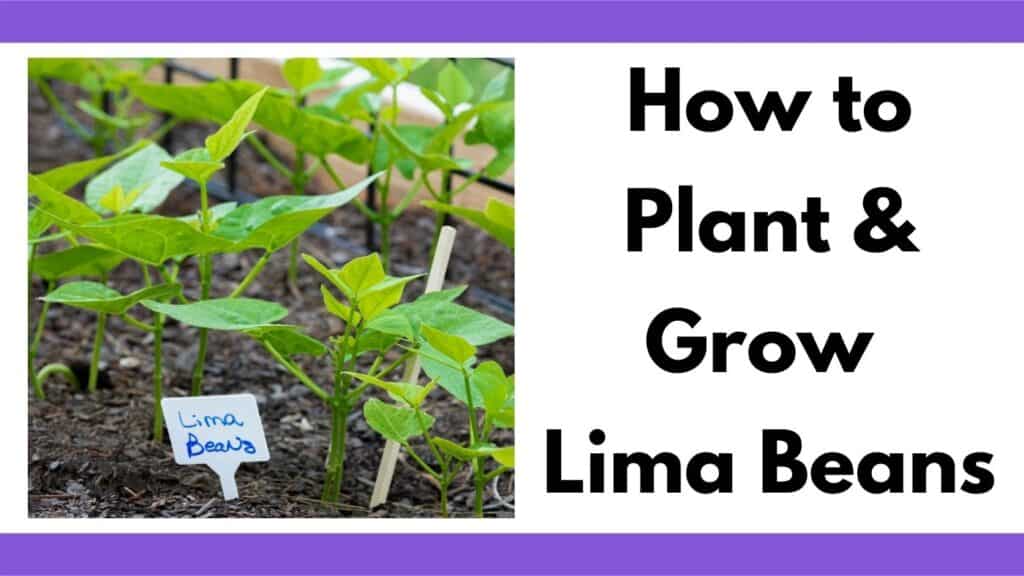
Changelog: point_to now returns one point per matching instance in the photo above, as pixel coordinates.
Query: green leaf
(453, 85)
(331, 276)
(194, 164)
(475, 327)
(118, 122)
(490, 380)
(224, 141)
(300, 73)
(222, 313)
(501, 162)
(438, 100)
(348, 101)
(506, 456)
(383, 295)
(414, 136)
(339, 308)
(443, 137)
(288, 340)
(496, 126)
(140, 171)
(454, 347)
(60, 208)
(150, 238)
(438, 310)
(447, 374)
(362, 273)
(309, 129)
(500, 213)
(100, 298)
(395, 324)
(380, 68)
(372, 341)
(217, 212)
(82, 260)
(395, 422)
(38, 223)
(210, 102)
(428, 162)
(272, 223)
(328, 79)
(407, 392)
(461, 452)
(63, 178)
(66, 69)
(497, 218)
(497, 86)
(117, 201)
(431, 299)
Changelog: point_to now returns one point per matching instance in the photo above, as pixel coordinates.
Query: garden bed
(92, 456)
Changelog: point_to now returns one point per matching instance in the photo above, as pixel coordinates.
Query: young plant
(449, 360)
(163, 243)
(79, 220)
(304, 76)
(83, 260)
(87, 261)
(109, 105)
(315, 131)
(109, 302)
(374, 324)
(488, 115)
(199, 164)
(363, 102)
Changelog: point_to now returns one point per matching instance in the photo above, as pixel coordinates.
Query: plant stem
(33, 349)
(163, 129)
(58, 107)
(269, 156)
(474, 435)
(97, 348)
(205, 264)
(57, 368)
(253, 273)
(466, 184)
(444, 499)
(132, 321)
(359, 204)
(336, 456)
(298, 373)
(391, 367)
(385, 240)
(158, 377)
(340, 408)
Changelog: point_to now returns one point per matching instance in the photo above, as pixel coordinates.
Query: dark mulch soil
(92, 456)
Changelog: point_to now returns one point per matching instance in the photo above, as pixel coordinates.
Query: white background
(941, 373)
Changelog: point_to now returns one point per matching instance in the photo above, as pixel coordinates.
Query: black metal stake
(167, 140)
(232, 164)
(371, 203)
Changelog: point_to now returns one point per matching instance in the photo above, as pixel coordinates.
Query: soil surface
(92, 455)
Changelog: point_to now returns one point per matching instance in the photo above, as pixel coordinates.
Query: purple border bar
(513, 21)
(454, 554)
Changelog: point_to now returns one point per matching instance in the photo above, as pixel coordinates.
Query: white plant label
(219, 431)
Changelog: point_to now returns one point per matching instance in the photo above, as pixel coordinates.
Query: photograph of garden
(333, 236)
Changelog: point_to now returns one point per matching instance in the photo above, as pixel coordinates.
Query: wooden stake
(435, 281)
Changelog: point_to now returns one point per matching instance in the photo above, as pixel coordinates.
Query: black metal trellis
(231, 191)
